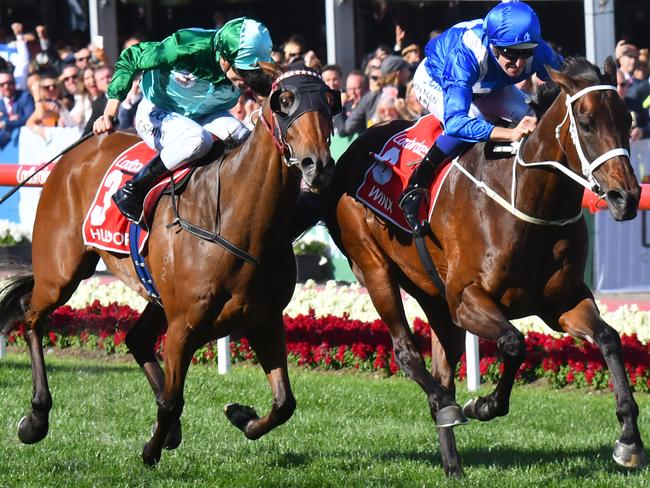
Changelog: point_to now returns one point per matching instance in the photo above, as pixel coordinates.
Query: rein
(278, 140)
(588, 181)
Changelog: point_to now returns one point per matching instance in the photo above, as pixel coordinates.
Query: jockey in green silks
(190, 80)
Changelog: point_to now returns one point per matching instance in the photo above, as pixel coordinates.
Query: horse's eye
(585, 122)
(286, 101)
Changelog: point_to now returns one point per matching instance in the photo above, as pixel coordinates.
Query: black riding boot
(130, 198)
(418, 186)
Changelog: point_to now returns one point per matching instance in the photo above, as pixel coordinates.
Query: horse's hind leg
(141, 341)
(479, 314)
(385, 295)
(48, 293)
(447, 346)
(268, 342)
(584, 321)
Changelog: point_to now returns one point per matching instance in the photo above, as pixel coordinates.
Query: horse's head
(298, 113)
(595, 132)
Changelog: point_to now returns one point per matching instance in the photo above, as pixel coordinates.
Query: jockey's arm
(504, 134)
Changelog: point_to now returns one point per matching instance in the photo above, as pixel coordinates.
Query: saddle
(389, 174)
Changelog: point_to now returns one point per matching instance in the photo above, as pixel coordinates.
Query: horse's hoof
(174, 436)
(240, 415)
(469, 409)
(455, 472)
(150, 457)
(450, 416)
(31, 431)
(629, 455)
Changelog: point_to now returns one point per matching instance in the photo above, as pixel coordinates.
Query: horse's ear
(559, 78)
(315, 64)
(610, 69)
(272, 70)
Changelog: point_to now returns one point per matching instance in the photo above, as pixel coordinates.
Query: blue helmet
(512, 24)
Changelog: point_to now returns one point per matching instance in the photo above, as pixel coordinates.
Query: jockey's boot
(417, 188)
(130, 198)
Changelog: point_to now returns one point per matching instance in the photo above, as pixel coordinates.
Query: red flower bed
(339, 342)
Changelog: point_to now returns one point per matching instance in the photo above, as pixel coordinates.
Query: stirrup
(411, 193)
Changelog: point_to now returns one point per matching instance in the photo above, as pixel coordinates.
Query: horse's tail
(13, 292)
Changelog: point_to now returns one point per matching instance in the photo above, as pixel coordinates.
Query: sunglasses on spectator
(294, 55)
(83, 58)
(7, 83)
(512, 54)
(48, 87)
(68, 78)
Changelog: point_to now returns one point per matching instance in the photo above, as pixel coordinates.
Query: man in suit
(15, 107)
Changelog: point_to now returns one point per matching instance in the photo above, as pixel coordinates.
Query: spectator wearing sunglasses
(469, 75)
(16, 106)
(82, 58)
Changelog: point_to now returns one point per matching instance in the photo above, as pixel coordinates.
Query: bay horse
(207, 292)
(501, 260)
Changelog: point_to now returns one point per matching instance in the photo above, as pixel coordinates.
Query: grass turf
(348, 430)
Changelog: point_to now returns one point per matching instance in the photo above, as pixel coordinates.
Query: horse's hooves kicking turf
(450, 416)
(240, 415)
(629, 456)
(32, 430)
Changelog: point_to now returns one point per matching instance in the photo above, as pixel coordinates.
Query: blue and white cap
(513, 24)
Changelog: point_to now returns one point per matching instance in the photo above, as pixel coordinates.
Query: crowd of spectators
(46, 85)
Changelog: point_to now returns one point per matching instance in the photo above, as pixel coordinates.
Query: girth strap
(428, 264)
(206, 234)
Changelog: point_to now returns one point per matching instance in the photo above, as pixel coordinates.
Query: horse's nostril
(616, 198)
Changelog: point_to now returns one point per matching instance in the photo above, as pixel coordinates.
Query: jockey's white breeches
(508, 103)
(179, 139)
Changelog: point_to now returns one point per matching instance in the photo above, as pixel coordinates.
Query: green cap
(244, 43)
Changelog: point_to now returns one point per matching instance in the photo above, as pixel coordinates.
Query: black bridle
(310, 95)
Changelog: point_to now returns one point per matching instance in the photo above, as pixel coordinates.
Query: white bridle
(588, 168)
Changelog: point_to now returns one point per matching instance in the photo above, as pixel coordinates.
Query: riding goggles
(512, 54)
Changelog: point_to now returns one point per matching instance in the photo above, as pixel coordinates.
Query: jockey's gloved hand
(108, 119)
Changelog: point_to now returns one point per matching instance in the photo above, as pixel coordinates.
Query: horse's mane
(575, 68)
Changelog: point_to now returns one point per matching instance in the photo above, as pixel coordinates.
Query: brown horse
(207, 292)
(499, 262)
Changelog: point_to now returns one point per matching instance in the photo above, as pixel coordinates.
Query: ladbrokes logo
(418, 147)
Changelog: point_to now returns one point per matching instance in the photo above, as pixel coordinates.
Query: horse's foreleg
(268, 342)
(479, 314)
(584, 321)
(141, 341)
(178, 356)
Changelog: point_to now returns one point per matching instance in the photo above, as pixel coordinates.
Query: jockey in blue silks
(469, 75)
